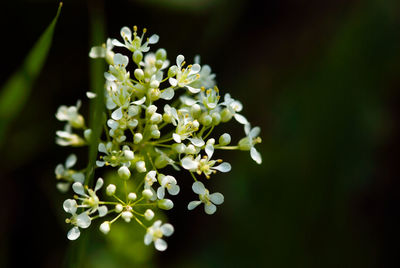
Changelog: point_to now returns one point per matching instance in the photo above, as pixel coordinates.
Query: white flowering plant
(162, 115)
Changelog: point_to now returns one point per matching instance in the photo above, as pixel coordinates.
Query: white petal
(195, 68)
(90, 95)
(188, 163)
(70, 206)
(109, 77)
(197, 141)
(179, 60)
(78, 177)
(99, 184)
(241, 119)
(71, 160)
(172, 81)
(255, 155)
(174, 189)
(100, 163)
(139, 102)
(74, 233)
(217, 198)
(97, 52)
(167, 94)
(102, 148)
(210, 208)
(247, 129)
(209, 150)
(153, 39)
(117, 114)
(193, 204)
(59, 169)
(112, 124)
(78, 188)
(198, 187)
(167, 229)
(148, 238)
(160, 192)
(254, 132)
(176, 138)
(102, 211)
(160, 244)
(224, 167)
(187, 101)
(117, 43)
(63, 186)
(192, 89)
(110, 104)
(120, 60)
(83, 220)
(126, 33)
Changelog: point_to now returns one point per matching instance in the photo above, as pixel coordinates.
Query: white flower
(248, 142)
(156, 232)
(90, 200)
(67, 138)
(185, 76)
(167, 182)
(205, 165)
(82, 220)
(185, 128)
(104, 51)
(65, 172)
(135, 43)
(207, 79)
(209, 200)
(114, 157)
(71, 115)
(234, 107)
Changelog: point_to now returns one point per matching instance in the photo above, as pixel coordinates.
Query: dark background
(321, 78)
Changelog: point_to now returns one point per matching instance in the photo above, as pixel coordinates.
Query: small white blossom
(65, 172)
(167, 182)
(209, 200)
(185, 76)
(156, 232)
(81, 220)
(71, 115)
(136, 43)
(90, 200)
(248, 142)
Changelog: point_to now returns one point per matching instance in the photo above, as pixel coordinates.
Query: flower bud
(155, 134)
(226, 115)
(87, 134)
(161, 54)
(179, 147)
(225, 139)
(245, 144)
(165, 204)
(156, 118)
(211, 141)
(139, 74)
(128, 155)
(118, 208)
(216, 118)
(141, 166)
(147, 193)
(172, 71)
(159, 64)
(205, 119)
(190, 149)
(137, 57)
(151, 109)
(127, 215)
(132, 196)
(124, 172)
(110, 190)
(155, 94)
(195, 110)
(133, 110)
(154, 84)
(78, 122)
(149, 214)
(137, 138)
(105, 227)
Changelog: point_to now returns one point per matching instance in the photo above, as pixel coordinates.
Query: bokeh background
(322, 80)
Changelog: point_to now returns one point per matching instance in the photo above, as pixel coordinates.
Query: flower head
(209, 200)
(156, 232)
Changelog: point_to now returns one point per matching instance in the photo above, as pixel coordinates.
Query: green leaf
(16, 90)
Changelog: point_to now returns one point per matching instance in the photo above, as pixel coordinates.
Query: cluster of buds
(141, 137)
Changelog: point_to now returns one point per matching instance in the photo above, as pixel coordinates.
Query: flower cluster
(159, 114)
